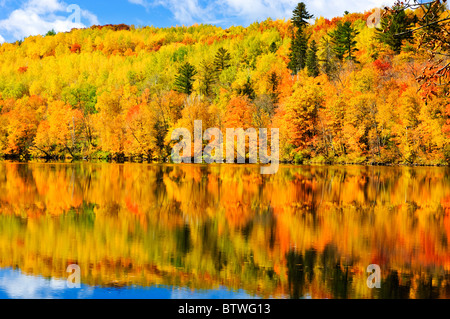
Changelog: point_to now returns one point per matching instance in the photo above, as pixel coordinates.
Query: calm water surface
(193, 231)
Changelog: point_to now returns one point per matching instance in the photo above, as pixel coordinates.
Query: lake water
(223, 231)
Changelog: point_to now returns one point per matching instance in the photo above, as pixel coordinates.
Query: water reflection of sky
(16, 285)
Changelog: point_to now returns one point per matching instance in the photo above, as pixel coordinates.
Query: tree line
(338, 90)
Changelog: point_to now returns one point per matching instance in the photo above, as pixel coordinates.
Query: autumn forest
(340, 90)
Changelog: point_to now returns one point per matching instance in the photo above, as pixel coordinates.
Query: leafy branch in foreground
(432, 32)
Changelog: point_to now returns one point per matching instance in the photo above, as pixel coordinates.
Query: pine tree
(343, 41)
(326, 56)
(222, 60)
(273, 47)
(299, 45)
(299, 48)
(248, 90)
(207, 77)
(184, 81)
(394, 29)
(311, 60)
(50, 33)
(300, 16)
(274, 82)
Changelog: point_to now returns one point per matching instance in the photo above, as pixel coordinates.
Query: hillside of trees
(338, 90)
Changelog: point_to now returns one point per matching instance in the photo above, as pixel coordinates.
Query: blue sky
(19, 19)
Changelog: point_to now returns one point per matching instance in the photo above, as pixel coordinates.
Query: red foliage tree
(75, 48)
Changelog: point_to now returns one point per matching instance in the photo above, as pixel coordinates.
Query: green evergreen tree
(248, 90)
(299, 44)
(394, 29)
(207, 76)
(300, 16)
(50, 33)
(273, 47)
(274, 82)
(184, 81)
(311, 60)
(343, 41)
(327, 57)
(222, 60)
(299, 48)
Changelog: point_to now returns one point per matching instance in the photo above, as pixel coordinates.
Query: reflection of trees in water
(159, 189)
(391, 288)
(183, 239)
(426, 289)
(307, 231)
(300, 268)
(333, 274)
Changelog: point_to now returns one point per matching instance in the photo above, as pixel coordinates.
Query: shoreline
(141, 160)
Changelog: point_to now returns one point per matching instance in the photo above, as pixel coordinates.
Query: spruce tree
(185, 79)
(207, 76)
(273, 47)
(394, 29)
(299, 48)
(222, 60)
(327, 57)
(311, 60)
(50, 33)
(274, 82)
(343, 41)
(299, 44)
(248, 90)
(300, 16)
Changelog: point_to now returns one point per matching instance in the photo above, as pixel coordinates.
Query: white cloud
(140, 2)
(16, 285)
(39, 16)
(333, 8)
(189, 11)
(2, 39)
(185, 12)
(258, 10)
(248, 11)
(44, 6)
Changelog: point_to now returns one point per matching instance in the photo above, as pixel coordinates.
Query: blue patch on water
(16, 285)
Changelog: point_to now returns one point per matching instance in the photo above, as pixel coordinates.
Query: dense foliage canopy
(119, 91)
